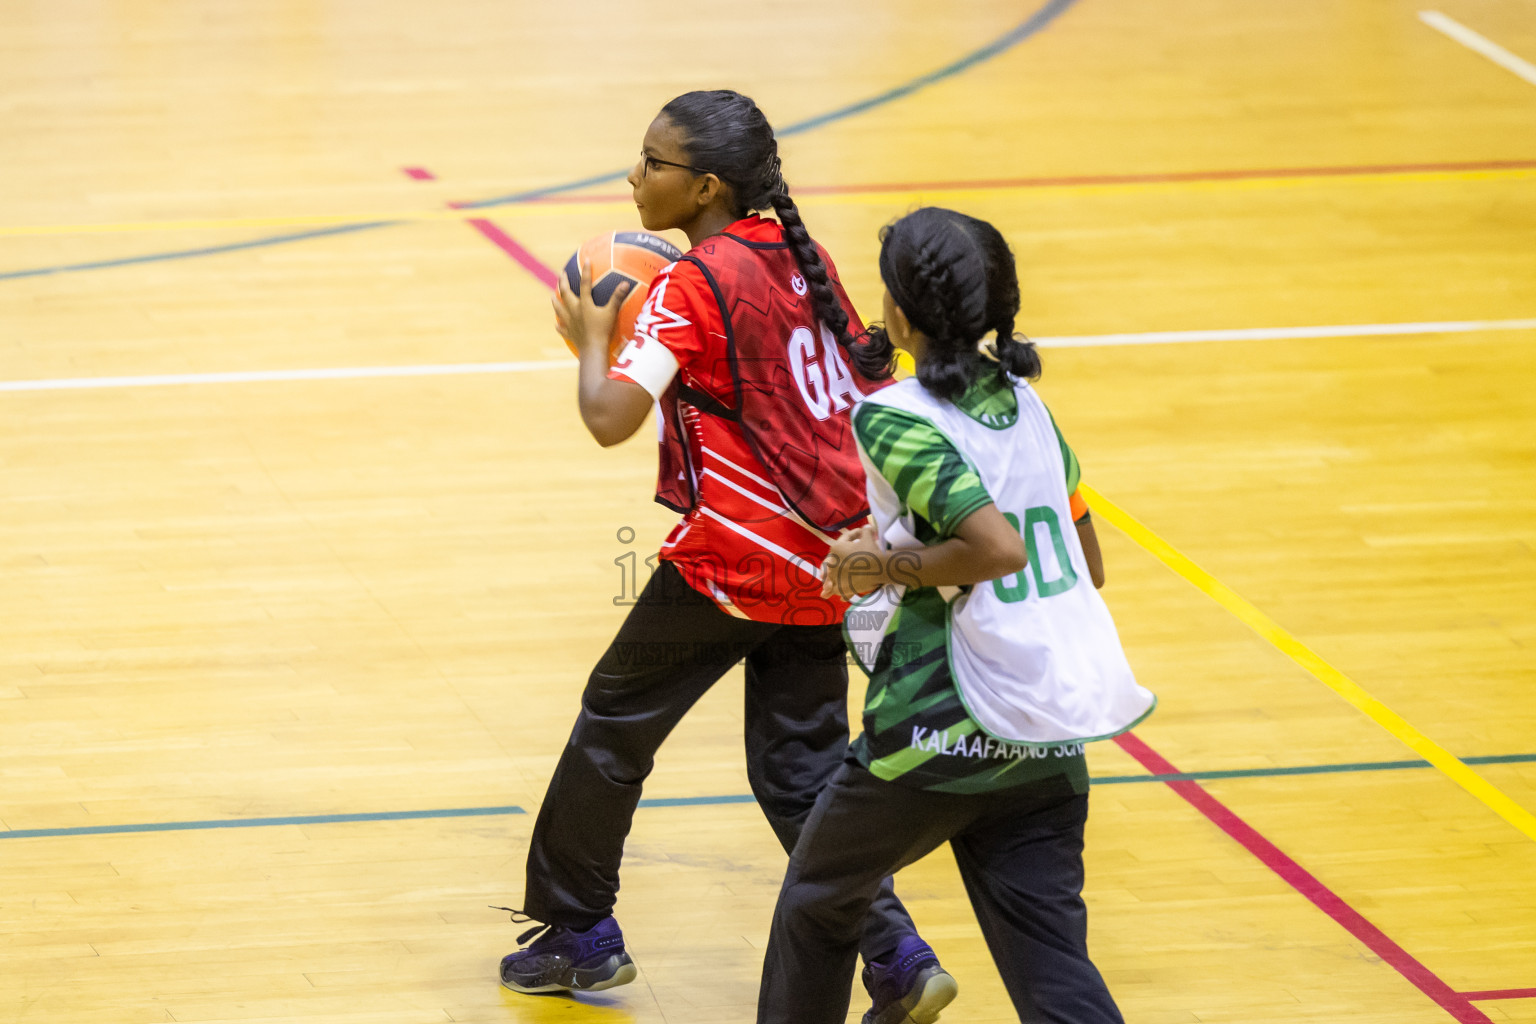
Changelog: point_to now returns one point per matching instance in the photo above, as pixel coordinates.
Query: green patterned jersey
(916, 728)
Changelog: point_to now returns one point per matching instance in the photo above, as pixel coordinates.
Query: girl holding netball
(993, 661)
(744, 348)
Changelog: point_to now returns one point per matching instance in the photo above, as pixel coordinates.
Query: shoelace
(518, 917)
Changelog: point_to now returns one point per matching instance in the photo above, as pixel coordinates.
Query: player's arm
(612, 409)
(1083, 520)
(985, 546)
(935, 481)
(1090, 541)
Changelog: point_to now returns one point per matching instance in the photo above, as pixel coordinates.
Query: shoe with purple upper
(561, 959)
(908, 986)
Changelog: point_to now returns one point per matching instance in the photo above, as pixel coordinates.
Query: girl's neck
(710, 221)
(914, 345)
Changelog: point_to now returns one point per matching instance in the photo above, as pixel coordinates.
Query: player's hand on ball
(561, 327)
(588, 325)
(853, 564)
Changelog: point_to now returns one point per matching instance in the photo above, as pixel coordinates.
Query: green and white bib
(1035, 655)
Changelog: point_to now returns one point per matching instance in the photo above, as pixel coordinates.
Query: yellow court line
(1313, 663)
(870, 197)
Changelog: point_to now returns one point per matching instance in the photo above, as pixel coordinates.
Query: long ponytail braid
(871, 356)
(729, 136)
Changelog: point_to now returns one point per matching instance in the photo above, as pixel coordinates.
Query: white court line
(252, 376)
(1069, 341)
(1284, 333)
(1480, 44)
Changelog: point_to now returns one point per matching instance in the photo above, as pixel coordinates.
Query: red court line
(1505, 993)
(505, 242)
(1457, 1004)
(1237, 174)
(511, 247)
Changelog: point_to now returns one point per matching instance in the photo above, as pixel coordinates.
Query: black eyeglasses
(646, 161)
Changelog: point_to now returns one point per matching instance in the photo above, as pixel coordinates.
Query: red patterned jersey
(756, 446)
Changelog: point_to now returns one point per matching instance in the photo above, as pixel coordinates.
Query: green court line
(708, 801)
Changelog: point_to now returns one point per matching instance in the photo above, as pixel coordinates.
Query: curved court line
(1451, 766)
(1018, 34)
(1030, 26)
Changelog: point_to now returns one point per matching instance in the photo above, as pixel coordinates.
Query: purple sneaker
(560, 959)
(909, 987)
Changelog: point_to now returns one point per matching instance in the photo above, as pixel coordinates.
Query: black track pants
(673, 646)
(1020, 853)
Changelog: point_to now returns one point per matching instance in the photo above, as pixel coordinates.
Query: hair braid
(943, 322)
(729, 137)
(1016, 355)
(955, 279)
(871, 356)
(828, 310)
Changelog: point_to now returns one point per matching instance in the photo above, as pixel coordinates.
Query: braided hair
(728, 136)
(955, 279)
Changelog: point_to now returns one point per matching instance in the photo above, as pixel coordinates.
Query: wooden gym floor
(304, 554)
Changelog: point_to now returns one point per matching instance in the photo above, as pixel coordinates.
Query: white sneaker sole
(937, 992)
(623, 976)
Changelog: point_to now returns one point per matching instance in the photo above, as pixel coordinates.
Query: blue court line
(212, 250)
(303, 819)
(1306, 769)
(1029, 27)
(698, 801)
(735, 798)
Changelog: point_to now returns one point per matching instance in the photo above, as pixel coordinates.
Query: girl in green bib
(992, 660)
